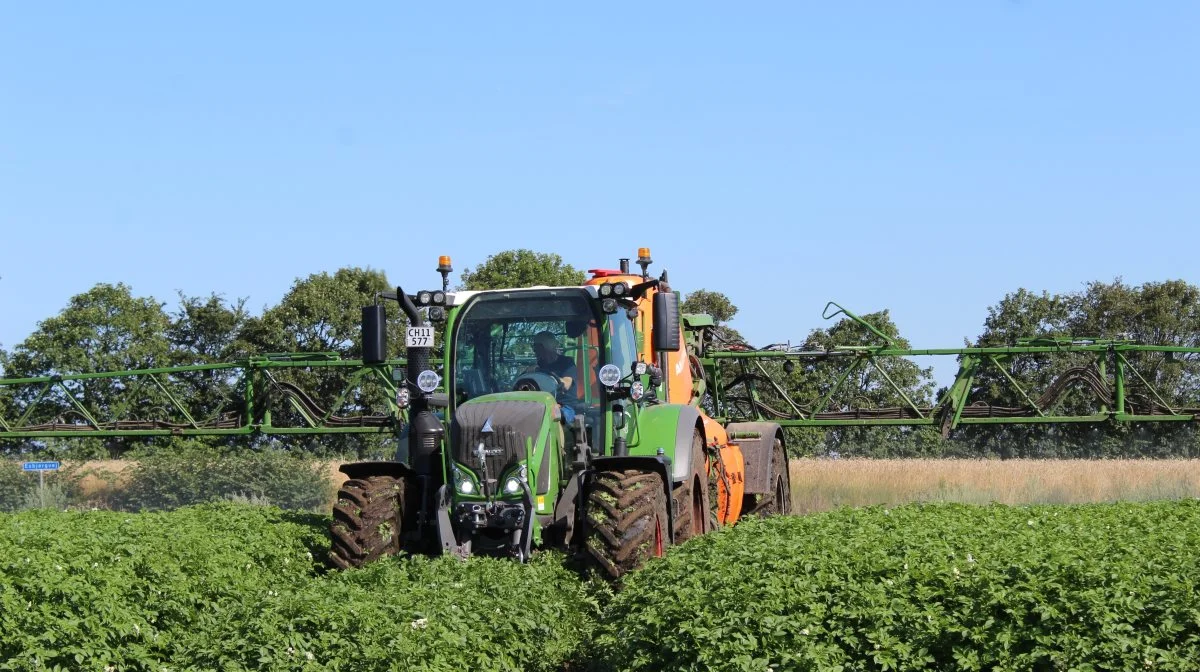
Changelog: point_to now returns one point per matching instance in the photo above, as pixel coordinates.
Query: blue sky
(925, 157)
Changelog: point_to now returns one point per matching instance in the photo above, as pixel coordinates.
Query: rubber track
(365, 510)
(621, 507)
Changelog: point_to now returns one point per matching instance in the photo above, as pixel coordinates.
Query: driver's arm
(568, 377)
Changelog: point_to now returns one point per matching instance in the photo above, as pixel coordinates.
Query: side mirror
(374, 335)
(665, 334)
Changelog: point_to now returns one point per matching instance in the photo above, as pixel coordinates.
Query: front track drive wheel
(625, 520)
(367, 520)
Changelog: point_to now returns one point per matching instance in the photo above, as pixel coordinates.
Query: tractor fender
(757, 441)
(669, 426)
(644, 463)
(376, 468)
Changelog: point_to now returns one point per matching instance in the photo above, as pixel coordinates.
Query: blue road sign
(40, 466)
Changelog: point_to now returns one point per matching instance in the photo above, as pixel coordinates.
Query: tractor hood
(503, 423)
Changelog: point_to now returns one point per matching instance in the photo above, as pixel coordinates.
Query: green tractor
(548, 424)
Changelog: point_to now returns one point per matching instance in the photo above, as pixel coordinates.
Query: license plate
(419, 337)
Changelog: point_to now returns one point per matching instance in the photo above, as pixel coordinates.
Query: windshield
(621, 341)
(544, 340)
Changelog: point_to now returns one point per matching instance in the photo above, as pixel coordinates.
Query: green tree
(320, 313)
(719, 307)
(1024, 314)
(6, 392)
(1161, 313)
(891, 383)
(521, 268)
(1019, 315)
(204, 330)
(323, 313)
(103, 329)
(714, 304)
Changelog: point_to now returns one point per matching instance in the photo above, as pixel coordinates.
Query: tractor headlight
(512, 486)
(462, 482)
(605, 290)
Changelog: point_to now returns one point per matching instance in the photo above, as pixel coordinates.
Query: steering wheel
(538, 381)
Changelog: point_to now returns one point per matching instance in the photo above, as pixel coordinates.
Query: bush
(233, 587)
(195, 475)
(15, 484)
(53, 496)
(921, 587)
(19, 489)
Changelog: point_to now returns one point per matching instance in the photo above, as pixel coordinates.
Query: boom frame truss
(1110, 380)
(257, 379)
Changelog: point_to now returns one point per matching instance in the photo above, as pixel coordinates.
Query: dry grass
(100, 478)
(821, 484)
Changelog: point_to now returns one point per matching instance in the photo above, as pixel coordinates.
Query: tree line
(108, 328)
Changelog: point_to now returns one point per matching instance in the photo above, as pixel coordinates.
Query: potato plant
(236, 587)
(226, 587)
(1091, 587)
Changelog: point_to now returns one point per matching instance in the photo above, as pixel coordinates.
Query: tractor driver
(550, 360)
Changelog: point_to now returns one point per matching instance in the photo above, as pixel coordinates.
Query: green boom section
(275, 394)
(1103, 382)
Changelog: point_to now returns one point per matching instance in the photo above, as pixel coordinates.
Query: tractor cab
(552, 340)
(529, 374)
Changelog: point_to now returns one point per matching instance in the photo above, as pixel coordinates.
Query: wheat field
(824, 484)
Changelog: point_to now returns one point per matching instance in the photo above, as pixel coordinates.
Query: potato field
(934, 586)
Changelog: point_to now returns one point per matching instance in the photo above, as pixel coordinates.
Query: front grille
(510, 421)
